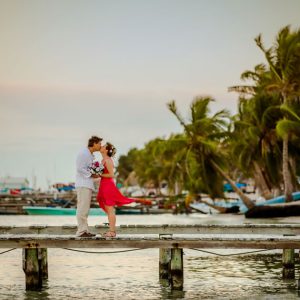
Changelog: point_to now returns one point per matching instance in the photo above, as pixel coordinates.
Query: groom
(85, 185)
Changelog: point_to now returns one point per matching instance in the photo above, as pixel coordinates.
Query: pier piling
(288, 263)
(43, 261)
(164, 265)
(177, 268)
(31, 267)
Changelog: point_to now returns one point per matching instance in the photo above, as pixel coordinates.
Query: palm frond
(285, 128)
(268, 55)
(290, 111)
(173, 108)
(242, 89)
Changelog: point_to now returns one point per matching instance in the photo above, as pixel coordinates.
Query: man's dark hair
(94, 140)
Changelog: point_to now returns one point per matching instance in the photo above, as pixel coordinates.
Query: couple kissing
(88, 170)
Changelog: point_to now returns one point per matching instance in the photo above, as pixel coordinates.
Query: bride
(108, 194)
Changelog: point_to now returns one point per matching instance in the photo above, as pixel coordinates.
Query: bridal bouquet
(96, 168)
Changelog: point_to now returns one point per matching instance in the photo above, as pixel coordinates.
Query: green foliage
(268, 111)
(204, 134)
(262, 120)
(126, 164)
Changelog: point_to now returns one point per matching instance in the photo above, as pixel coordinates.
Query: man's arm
(82, 166)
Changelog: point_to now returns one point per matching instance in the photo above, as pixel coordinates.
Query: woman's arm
(110, 169)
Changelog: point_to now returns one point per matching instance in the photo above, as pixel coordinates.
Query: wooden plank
(161, 229)
(212, 241)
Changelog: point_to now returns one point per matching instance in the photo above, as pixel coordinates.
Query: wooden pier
(170, 239)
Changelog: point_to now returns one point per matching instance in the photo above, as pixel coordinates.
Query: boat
(274, 208)
(44, 210)
(228, 188)
(280, 199)
(203, 208)
(208, 206)
(122, 210)
(273, 201)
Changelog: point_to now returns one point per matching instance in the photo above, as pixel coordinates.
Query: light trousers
(84, 197)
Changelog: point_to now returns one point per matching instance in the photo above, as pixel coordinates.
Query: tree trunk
(221, 209)
(287, 179)
(246, 200)
(293, 168)
(261, 182)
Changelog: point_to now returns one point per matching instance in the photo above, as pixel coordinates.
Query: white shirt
(83, 175)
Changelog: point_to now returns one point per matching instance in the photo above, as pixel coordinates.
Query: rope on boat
(102, 252)
(230, 254)
(8, 251)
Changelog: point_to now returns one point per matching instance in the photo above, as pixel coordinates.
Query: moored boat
(273, 201)
(44, 210)
(123, 210)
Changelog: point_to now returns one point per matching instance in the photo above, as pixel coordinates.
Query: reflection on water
(134, 275)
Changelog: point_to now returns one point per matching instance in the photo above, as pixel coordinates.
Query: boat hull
(59, 211)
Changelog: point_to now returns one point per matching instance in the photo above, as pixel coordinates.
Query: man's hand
(95, 176)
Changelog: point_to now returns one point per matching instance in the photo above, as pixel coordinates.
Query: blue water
(134, 275)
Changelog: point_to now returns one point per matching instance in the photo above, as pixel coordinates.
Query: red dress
(109, 194)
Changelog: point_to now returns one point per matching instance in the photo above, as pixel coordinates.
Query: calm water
(134, 275)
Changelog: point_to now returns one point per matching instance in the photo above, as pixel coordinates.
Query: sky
(70, 69)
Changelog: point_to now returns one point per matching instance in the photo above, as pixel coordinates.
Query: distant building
(13, 182)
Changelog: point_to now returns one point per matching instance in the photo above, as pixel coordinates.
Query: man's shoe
(91, 234)
(86, 235)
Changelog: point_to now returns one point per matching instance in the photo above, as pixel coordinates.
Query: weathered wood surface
(279, 229)
(203, 241)
(176, 271)
(44, 262)
(164, 263)
(31, 268)
(288, 263)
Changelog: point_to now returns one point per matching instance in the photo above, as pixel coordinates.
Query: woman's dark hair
(111, 150)
(94, 140)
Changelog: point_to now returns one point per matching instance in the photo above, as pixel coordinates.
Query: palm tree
(171, 153)
(254, 143)
(290, 126)
(126, 164)
(205, 135)
(283, 60)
